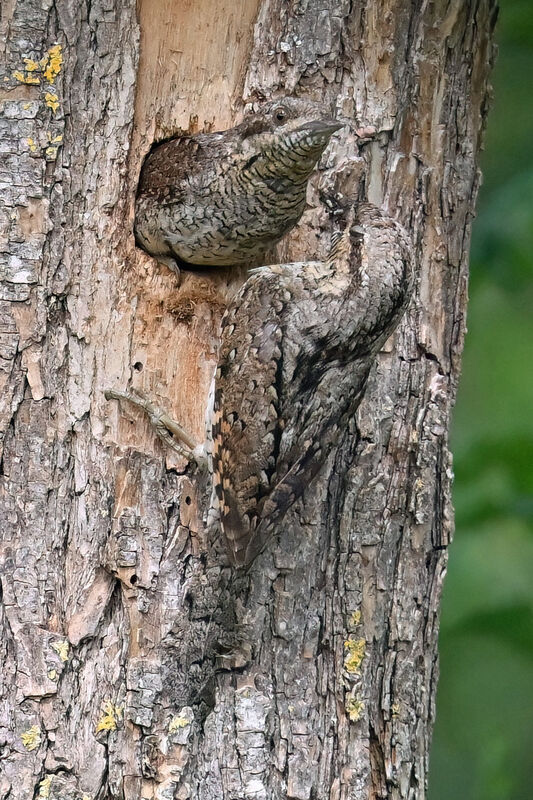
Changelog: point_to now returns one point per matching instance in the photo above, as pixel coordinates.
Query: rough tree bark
(111, 587)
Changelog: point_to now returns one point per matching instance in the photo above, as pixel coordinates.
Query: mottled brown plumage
(224, 198)
(298, 342)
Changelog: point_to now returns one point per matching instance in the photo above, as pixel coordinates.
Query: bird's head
(290, 131)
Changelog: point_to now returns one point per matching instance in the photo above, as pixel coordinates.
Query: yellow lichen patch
(178, 722)
(26, 78)
(44, 786)
(355, 619)
(108, 721)
(52, 674)
(32, 145)
(30, 65)
(31, 739)
(395, 708)
(61, 649)
(53, 61)
(48, 68)
(355, 654)
(86, 797)
(51, 150)
(52, 101)
(354, 708)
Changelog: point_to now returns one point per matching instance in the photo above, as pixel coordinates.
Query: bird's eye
(280, 114)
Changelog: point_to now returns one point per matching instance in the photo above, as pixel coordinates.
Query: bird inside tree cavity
(219, 199)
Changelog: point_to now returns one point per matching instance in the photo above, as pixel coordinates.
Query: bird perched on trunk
(298, 343)
(217, 199)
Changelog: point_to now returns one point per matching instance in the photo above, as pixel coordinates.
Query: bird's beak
(323, 126)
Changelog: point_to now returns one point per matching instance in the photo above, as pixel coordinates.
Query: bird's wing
(246, 424)
(169, 166)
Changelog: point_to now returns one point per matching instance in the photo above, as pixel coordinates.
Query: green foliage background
(483, 743)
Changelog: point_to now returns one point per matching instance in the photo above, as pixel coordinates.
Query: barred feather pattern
(298, 343)
(224, 198)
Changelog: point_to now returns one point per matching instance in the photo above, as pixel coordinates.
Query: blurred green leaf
(516, 23)
(503, 241)
(510, 626)
(484, 722)
(495, 398)
(482, 745)
(494, 479)
(489, 571)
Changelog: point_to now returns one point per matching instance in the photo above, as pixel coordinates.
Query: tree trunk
(115, 597)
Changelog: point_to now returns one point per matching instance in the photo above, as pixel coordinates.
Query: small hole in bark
(133, 579)
(138, 366)
(188, 500)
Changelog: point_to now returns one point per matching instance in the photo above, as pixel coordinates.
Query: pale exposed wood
(114, 596)
(193, 58)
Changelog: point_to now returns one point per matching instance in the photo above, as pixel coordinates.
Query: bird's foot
(168, 430)
(171, 264)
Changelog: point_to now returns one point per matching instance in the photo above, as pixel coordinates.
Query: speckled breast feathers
(224, 198)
